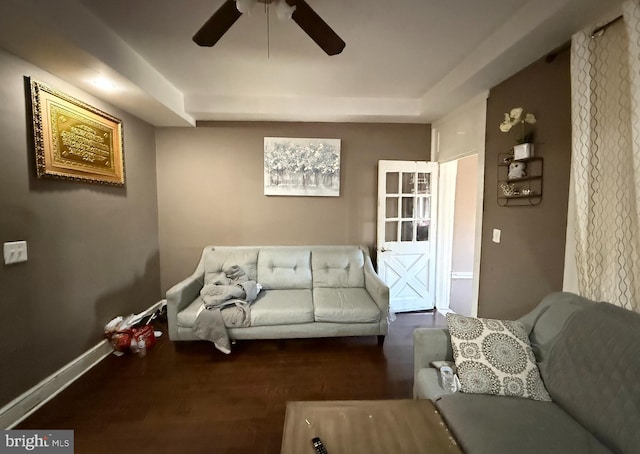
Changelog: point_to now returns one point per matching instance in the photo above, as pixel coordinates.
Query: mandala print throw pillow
(495, 357)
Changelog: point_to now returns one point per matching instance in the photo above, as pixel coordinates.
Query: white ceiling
(404, 60)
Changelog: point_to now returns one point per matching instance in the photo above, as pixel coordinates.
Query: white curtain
(605, 85)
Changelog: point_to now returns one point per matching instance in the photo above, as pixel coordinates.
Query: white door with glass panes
(407, 196)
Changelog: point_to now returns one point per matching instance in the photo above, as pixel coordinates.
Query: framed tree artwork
(301, 167)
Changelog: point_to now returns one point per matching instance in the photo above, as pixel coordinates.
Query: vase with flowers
(520, 121)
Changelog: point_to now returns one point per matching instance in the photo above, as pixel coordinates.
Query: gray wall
(528, 264)
(93, 249)
(210, 188)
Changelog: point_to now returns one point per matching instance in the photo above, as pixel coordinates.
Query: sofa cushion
(284, 268)
(495, 357)
(187, 317)
(497, 424)
(593, 373)
(282, 307)
(218, 260)
(344, 305)
(337, 267)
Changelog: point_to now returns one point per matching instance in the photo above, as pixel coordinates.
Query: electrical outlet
(15, 252)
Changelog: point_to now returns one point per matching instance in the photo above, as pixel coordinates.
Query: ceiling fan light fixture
(297, 10)
(283, 10)
(245, 5)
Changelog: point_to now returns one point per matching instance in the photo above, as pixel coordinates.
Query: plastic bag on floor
(130, 334)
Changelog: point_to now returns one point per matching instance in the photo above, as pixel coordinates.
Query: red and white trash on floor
(135, 333)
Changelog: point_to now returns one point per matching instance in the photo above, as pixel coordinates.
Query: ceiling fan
(298, 10)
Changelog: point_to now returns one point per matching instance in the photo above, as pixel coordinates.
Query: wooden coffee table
(366, 426)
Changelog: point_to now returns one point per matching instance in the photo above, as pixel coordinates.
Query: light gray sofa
(308, 291)
(588, 354)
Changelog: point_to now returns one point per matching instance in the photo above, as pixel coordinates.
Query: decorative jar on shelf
(522, 151)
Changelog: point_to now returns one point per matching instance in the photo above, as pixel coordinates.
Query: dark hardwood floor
(189, 398)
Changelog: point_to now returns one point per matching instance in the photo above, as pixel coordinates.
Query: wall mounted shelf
(522, 191)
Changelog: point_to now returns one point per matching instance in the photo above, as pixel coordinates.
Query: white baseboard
(24, 405)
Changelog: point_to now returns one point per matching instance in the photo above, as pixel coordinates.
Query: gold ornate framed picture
(74, 140)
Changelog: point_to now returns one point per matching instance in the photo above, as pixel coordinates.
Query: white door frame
(478, 240)
(471, 113)
(444, 240)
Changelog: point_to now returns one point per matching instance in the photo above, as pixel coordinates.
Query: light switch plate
(15, 252)
(496, 235)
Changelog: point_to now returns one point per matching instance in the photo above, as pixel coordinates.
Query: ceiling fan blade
(217, 25)
(316, 28)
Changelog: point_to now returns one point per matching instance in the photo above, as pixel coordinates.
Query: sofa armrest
(430, 344)
(376, 287)
(180, 296)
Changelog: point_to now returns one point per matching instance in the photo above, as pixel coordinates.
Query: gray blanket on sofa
(231, 291)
